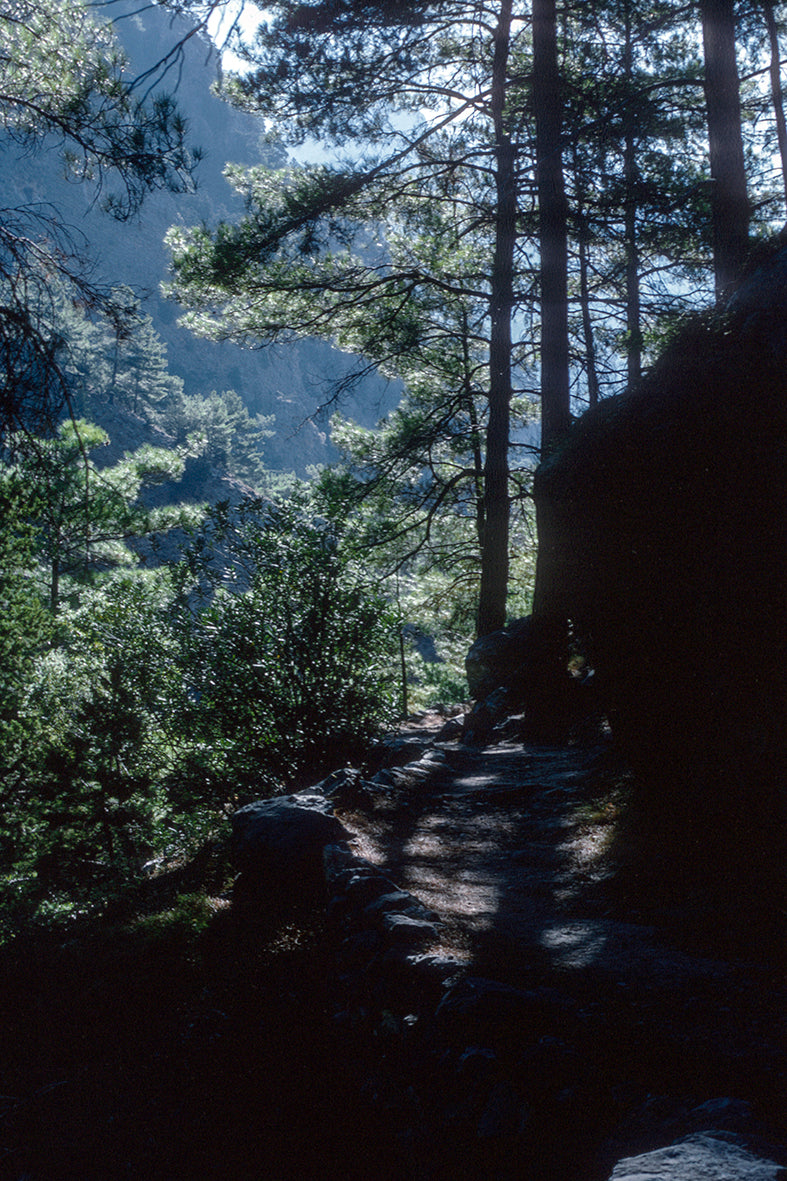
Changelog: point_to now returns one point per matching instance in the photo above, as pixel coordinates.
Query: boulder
(278, 844)
(479, 1008)
(664, 524)
(514, 672)
(502, 660)
(704, 1156)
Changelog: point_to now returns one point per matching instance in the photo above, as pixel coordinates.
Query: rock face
(665, 510)
(505, 675)
(502, 659)
(706, 1156)
(278, 844)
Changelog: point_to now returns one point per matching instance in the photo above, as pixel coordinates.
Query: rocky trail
(476, 998)
(607, 1026)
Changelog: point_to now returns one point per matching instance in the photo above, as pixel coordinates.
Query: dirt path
(492, 841)
(509, 845)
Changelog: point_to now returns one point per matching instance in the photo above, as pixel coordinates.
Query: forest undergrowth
(180, 1034)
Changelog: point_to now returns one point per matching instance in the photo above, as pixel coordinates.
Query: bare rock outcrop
(666, 515)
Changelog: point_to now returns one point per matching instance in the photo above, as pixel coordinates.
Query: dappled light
(392, 590)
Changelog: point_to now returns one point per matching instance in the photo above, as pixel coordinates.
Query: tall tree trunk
(475, 436)
(551, 624)
(776, 88)
(633, 327)
(494, 553)
(583, 239)
(552, 228)
(730, 203)
(54, 585)
(587, 322)
(553, 239)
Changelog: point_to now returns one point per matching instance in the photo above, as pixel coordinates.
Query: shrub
(288, 668)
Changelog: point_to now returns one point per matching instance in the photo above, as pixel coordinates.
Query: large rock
(278, 844)
(504, 659)
(512, 675)
(665, 511)
(706, 1156)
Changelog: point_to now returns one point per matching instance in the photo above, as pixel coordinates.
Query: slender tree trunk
(494, 553)
(587, 322)
(730, 204)
(633, 327)
(553, 238)
(475, 437)
(54, 585)
(552, 229)
(583, 239)
(551, 630)
(776, 88)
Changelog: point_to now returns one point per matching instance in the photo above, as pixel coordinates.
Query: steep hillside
(289, 382)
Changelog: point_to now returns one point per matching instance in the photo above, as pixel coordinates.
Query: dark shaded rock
(513, 672)
(666, 515)
(278, 844)
(476, 1065)
(436, 967)
(505, 1114)
(451, 731)
(503, 659)
(399, 902)
(405, 930)
(704, 1156)
(480, 723)
(488, 1006)
(345, 788)
(400, 750)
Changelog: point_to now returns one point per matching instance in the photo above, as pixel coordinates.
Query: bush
(289, 669)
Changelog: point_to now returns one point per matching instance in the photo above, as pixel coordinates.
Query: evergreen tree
(729, 197)
(24, 627)
(586, 178)
(312, 62)
(84, 515)
(220, 428)
(62, 85)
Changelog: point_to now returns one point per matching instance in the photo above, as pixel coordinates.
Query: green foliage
(120, 361)
(290, 671)
(64, 84)
(84, 514)
(92, 801)
(24, 627)
(219, 427)
(85, 750)
(61, 75)
(437, 682)
(157, 697)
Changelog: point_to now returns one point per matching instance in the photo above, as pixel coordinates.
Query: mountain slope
(290, 382)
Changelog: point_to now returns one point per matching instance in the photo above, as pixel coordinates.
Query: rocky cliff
(665, 509)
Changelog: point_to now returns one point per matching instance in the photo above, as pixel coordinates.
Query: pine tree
(63, 85)
(83, 515)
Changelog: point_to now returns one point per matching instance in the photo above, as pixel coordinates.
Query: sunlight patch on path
(574, 945)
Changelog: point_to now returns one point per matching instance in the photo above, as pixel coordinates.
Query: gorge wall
(665, 516)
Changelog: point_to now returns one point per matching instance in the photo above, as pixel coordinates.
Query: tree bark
(551, 625)
(583, 241)
(587, 322)
(475, 438)
(730, 203)
(776, 88)
(553, 239)
(552, 228)
(494, 553)
(630, 173)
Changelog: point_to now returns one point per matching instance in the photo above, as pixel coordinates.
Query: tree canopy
(485, 175)
(64, 85)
